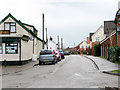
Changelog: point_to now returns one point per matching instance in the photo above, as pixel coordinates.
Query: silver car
(47, 55)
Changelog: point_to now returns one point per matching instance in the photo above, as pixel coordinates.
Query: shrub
(97, 50)
(114, 53)
(84, 52)
(90, 51)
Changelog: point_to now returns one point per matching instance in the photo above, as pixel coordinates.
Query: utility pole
(46, 39)
(61, 43)
(58, 42)
(43, 28)
(74, 47)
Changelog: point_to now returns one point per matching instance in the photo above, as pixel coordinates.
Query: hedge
(114, 53)
(96, 50)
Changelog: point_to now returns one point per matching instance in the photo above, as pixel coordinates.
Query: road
(74, 71)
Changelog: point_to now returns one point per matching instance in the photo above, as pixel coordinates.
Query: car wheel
(40, 63)
(53, 62)
(56, 61)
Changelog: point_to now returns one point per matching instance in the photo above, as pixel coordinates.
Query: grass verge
(115, 71)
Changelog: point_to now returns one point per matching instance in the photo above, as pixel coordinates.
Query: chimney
(88, 40)
(51, 38)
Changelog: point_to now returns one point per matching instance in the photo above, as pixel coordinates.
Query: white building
(19, 41)
(99, 35)
(52, 44)
(83, 45)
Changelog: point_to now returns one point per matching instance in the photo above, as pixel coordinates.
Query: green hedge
(114, 53)
(96, 50)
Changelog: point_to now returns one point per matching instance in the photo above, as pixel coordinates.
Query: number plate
(46, 60)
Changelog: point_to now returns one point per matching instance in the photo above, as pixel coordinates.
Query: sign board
(31, 38)
(118, 28)
(4, 31)
(25, 38)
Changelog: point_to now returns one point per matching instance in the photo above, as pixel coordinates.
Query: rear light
(52, 57)
(40, 53)
(52, 53)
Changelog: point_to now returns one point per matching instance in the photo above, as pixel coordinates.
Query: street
(75, 71)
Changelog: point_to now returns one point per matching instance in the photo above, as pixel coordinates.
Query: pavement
(103, 65)
(17, 68)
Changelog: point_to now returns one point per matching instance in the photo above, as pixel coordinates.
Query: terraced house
(19, 41)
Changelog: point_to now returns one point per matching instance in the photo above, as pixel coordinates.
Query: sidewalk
(103, 64)
(17, 68)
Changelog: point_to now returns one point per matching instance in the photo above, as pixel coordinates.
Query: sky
(72, 20)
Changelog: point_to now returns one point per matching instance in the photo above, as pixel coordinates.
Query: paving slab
(17, 68)
(103, 64)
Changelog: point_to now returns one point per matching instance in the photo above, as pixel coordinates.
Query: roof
(90, 35)
(29, 25)
(21, 24)
(110, 35)
(109, 26)
(98, 30)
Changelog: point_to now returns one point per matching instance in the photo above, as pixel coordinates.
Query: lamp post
(117, 23)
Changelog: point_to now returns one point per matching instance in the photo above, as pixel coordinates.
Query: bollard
(5, 62)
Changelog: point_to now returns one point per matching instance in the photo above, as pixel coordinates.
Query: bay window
(11, 48)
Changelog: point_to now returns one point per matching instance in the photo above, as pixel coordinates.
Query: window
(97, 39)
(10, 26)
(1, 50)
(45, 52)
(11, 48)
(82, 47)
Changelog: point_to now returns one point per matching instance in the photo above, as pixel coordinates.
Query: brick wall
(109, 42)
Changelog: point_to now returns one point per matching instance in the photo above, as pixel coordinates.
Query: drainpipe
(20, 53)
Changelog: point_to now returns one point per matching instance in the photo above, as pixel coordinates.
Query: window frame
(10, 26)
(97, 39)
(11, 43)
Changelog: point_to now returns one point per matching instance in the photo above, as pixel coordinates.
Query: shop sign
(25, 38)
(4, 31)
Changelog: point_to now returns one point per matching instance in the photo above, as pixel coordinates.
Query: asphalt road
(74, 71)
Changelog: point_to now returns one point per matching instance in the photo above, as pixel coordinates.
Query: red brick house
(110, 40)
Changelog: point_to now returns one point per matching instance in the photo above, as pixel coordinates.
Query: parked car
(66, 53)
(58, 56)
(62, 54)
(47, 56)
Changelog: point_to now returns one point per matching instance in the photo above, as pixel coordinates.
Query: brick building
(109, 41)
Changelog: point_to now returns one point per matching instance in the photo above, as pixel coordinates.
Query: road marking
(77, 74)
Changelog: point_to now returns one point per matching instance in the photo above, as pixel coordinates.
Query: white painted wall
(84, 44)
(26, 46)
(52, 45)
(99, 33)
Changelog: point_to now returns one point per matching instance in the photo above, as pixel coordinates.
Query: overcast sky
(72, 20)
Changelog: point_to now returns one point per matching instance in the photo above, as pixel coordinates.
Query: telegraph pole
(46, 39)
(61, 43)
(43, 28)
(58, 42)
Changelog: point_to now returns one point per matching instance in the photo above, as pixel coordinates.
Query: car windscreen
(45, 52)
